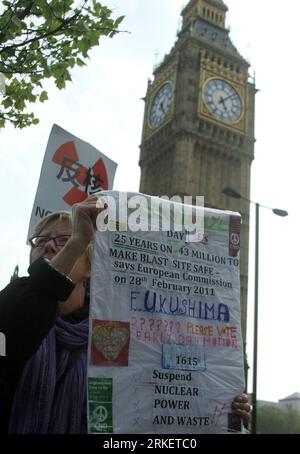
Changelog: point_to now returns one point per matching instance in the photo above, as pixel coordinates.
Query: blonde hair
(60, 216)
(55, 216)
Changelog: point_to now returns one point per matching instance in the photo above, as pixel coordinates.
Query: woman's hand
(84, 219)
(241, 407)
(83, 230)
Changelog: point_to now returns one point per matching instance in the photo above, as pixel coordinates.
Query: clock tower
(198, 131)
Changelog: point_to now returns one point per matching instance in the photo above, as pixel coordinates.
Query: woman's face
(52, 229)
(81, 269)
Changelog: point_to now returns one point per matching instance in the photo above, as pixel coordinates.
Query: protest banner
(71, 171)
(165, 346)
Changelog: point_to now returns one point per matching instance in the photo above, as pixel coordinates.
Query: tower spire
(213, 11)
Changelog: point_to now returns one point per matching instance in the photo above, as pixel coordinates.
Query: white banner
(72, 169)
(165, 347)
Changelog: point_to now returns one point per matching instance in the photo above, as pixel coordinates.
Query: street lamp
(236, 195)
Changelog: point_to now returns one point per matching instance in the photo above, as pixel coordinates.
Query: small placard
(184, 357)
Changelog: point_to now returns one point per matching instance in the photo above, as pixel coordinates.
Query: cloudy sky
(103, 106)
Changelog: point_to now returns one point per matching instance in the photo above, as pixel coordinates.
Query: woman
(43, 374)
(45, 321)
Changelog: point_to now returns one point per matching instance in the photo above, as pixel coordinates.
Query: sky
(103, 106)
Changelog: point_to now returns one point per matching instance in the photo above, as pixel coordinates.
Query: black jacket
(28, 310)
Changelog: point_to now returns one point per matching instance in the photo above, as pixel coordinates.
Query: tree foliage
(40, 40)
(274, 420)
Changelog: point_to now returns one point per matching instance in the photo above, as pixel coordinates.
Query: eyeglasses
(40, 241)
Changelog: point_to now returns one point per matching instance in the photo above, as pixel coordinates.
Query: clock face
(222, 100)
(161, 105)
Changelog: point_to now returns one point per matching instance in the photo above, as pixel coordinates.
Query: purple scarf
(50, 396)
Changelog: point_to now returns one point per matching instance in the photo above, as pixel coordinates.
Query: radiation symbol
(85, 181)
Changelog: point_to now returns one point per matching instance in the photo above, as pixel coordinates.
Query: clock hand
(161, 106)
(222, 100)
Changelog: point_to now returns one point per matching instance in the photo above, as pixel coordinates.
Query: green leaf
(118, 21)
(43, 96)
(80, 62)
(7, 102)
(20, 104)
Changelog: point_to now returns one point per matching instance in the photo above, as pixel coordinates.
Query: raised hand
(84, 219)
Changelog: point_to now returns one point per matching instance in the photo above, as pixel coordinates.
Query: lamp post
(236, 195)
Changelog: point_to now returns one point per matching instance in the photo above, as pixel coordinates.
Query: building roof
(295, 396)
(219, 3)
(215, 37)
(261, 403)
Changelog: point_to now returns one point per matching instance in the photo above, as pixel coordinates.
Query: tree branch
(50, 32)
(20, 16)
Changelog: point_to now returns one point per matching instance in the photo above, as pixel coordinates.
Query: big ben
(198, 131)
